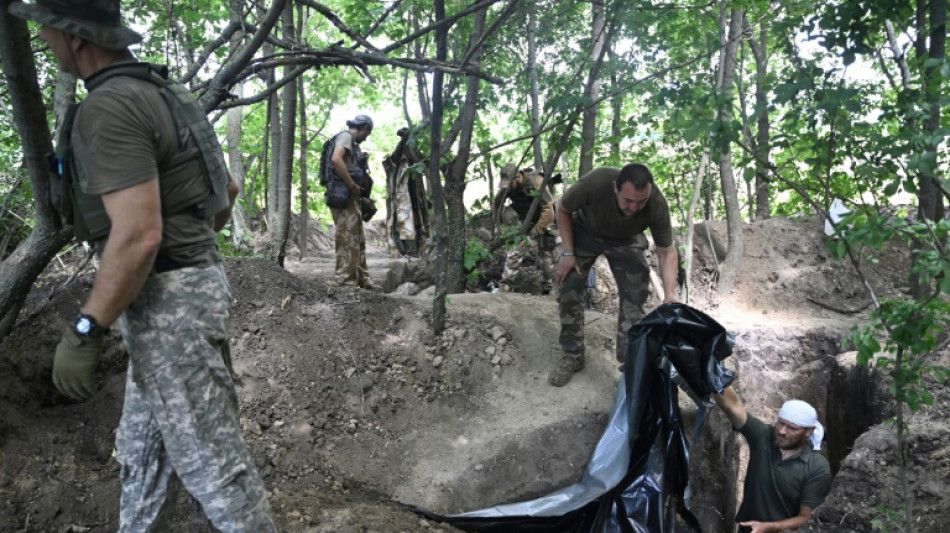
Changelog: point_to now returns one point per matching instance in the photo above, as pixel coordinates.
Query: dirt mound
(349, 403)
(347, 400)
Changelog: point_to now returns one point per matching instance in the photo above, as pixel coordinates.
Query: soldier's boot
(565, 370)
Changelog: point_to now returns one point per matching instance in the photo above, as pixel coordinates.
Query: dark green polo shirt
(776, 489)
(593, 200)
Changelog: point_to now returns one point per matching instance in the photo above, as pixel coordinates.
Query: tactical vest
(195, 179)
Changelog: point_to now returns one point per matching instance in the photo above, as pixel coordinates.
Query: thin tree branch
(218, 86)
(438, 24)
(505, 13)
(382, 18)
(335, 20)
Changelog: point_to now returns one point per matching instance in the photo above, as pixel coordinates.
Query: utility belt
(164, 263)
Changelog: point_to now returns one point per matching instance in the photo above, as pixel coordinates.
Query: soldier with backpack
(344, 172)
(139, 171)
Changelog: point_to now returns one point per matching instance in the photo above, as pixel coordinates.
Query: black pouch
(337, 194)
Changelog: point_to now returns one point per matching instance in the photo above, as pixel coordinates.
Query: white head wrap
(802, 414)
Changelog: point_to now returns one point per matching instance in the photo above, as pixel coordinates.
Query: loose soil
(352, 407)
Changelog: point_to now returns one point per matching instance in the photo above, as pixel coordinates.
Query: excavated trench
(773, 363)
(773, 366)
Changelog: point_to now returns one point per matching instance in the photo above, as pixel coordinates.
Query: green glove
(74, 367)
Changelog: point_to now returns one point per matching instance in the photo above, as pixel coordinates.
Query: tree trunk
(24, 265)
(592, 92)
(435, 178)
(285, 155)
(929, 198)
(303, 232)
(763, 209)
(723, 148)
(273, 197)
(235, 118)
(693, 201)
(455, 180)
(424, 106)
(263, 172)
(239, 218)
(616, 116)
(533, 77)
(405, 98)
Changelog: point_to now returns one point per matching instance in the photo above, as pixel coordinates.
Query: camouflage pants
(631, 272)
(180, 416)
(350, 245)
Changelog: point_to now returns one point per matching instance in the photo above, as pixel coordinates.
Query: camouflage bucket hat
(97, 21)
(508, 173)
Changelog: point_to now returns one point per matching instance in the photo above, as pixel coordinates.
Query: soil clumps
(352, 406)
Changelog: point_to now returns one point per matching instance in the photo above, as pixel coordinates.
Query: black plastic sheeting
(637, 479)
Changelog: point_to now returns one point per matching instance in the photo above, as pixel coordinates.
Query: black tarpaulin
(637, 479)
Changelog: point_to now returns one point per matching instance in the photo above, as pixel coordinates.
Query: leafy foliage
(909, 326)
(475, 253)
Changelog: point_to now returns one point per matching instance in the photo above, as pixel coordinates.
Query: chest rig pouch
(195, 180)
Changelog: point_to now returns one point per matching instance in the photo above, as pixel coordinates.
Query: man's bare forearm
(222, 218)
(668, 261)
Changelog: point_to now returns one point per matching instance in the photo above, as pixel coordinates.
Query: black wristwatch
(86, 327)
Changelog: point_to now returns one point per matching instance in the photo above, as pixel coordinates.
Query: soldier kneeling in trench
(787, 476)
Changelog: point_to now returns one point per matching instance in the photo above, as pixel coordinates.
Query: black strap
(163, 264)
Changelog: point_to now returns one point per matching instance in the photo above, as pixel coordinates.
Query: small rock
(497, 332)
(250, 426)
(437, 361)
(263, 421)
(408, 288)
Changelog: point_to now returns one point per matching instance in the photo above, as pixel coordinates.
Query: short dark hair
(636, 174)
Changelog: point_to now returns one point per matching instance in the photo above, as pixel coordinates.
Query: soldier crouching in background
(521, 187)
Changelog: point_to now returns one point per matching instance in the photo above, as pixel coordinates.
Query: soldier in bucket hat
(144, 178)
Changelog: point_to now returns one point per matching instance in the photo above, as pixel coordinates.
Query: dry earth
(351, 406)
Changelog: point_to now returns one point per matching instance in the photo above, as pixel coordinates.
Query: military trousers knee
(631, 272)
(180, 415)
(350, 244)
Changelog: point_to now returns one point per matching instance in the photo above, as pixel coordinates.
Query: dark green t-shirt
(593, 200)
(123, 134)
(775, 489)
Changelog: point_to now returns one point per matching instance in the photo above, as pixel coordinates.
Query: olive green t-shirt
(593, 200)
(345, 139)
(122, 135)
(775, 489)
